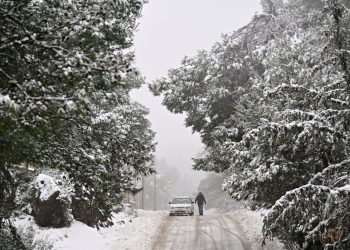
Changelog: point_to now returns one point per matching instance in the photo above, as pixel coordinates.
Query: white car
(181, 205)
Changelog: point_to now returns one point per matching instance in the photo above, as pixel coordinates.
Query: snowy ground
(251, 223)
(138, 235)
(128, 233)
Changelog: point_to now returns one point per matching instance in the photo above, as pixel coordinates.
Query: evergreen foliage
(271, 102)
(66, 71)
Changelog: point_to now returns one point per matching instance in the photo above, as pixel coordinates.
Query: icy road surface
(212, 231)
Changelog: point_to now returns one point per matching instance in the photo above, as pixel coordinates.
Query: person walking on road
(200, 200)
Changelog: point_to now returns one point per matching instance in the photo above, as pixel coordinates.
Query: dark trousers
(200, 208)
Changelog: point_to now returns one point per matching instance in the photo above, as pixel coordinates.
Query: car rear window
(181, 201)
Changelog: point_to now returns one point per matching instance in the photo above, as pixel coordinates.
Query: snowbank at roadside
(251, 223)
(77, 236)
(140, 234)
(128, 232)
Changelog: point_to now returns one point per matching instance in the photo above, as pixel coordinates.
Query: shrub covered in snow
(51, 205)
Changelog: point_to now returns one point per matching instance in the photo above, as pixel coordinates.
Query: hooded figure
(200, 200)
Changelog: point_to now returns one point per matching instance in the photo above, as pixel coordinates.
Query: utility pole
(143, 193)
(155, 191)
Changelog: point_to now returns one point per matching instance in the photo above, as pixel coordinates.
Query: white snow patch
(77, 236)
(345, 188)
(251, 224)
(7, 101)
(4, 99)
(140, 234)
(46, 186)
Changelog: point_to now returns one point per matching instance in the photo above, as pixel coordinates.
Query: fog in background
(169, 30)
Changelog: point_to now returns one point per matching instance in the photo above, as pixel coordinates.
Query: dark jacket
(200, 199)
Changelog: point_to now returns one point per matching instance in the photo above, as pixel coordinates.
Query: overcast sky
(169, 30)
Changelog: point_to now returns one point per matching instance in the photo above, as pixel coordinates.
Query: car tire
(191, 214)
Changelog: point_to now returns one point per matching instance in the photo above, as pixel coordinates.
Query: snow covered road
(239, 229)
(213, 231)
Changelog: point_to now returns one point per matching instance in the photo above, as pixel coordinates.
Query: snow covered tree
(271, 6)
(322, 139)
(65, 76)
(316, 215)
(280, 119)
(103, 155)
